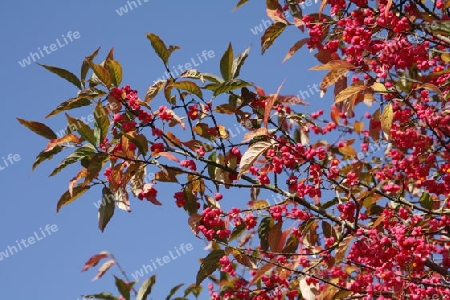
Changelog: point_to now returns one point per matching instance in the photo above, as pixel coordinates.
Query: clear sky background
(50, 268)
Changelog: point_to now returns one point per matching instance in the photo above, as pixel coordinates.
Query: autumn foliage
(340, 205)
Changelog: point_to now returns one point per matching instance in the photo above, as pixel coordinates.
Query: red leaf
(94, 260)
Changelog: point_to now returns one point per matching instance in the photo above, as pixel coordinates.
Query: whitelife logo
(31, 240)
(53, 47)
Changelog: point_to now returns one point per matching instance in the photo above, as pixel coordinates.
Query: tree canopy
(339, 204)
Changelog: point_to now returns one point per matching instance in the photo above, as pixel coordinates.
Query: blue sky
(50, 268)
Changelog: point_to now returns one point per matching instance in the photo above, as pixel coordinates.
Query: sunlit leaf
(250, 156)
(67, 75)
(38, 128)
(271, 33)
(146, 288)
(66, 198)
(159, 47)
(226, 63)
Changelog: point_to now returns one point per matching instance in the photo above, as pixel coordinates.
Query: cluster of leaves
(349, 222)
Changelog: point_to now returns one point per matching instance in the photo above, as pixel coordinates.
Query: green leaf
(426, 201)
(85, 65)
(66, 198)
(211, 167)
(46, 155)
(106, 209)
(73, 158)
(95, 165)
(70, 104)
(159, 47)
(101, 72)
(189, 86)
(237, 231)
(238, 62)
(115, 71)
(193, 289)
(82, 128)
(209, 264)
(103, 296)
(124, 289)
(226, 63)
(146, 288)
(101, 124)
(67, 75)
(38, 128)
(263, 232)
(240, 3)
(173, 291)
(141, 143)
(154, 89)
(230, 86)
(271, 33)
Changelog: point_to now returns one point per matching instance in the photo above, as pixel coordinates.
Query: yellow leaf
(349, 92)
(386, 118)
(334, 65)
(358, 126)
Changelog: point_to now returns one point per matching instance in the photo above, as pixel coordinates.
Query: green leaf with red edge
(66, 198)
(238, 62)
(271, 33)
(263, 232)
(124, 288)
(159, 47)
(38, 128)
(228, 86)
(250, 156)
(67, 75)
(70, 104)
(106, 209)
(115, 71)
(209, 264)
(77, 155)
(146, 288)
(101, 123)
(226, 63)
(101, 73)
(189, 86)
(94, 260)
(82, 128)
(45, 155)
(85, 65)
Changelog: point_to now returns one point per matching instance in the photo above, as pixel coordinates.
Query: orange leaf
(167, 155)
(73, 181)
(358, 126)
(331, 78)
(269, 104)
(70, 138)
(334, 65)
(295, 48)
(250, 156)
(258, 132)
(335, 114)
(349, 92)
